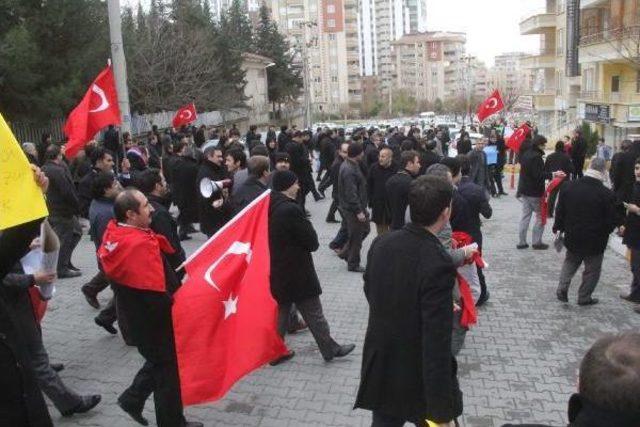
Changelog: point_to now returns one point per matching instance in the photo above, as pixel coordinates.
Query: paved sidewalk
(519, 364)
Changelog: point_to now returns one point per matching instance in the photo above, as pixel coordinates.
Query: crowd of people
(423, 275)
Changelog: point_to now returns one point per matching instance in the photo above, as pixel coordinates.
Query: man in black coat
(377, 178)
(408, 373)
(184, 188)
(352, 199)
(559, 160)
(398, 187)
(21, 401)
(586, 214)
(213, 212)
(578, 153)
(292, 239)
(327, 148)
(145, 306)
(64, 207)
(608, 385)
(621, 173)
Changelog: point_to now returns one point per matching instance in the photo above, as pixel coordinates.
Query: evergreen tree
(236, 26)
(284, 79)
(230, 88)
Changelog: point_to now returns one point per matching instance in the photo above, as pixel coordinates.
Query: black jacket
(558, 161)
(622, 175)
(427, 158)
(327, 151)
(352, 188)
(162, 222)
(184, 188)
(479, 170)
(398, 193)
(377, 187)
(21, 401)
(477, 204)
(578, 148)
(292, 239)
(586, 213)
(211, 219)
(62, 197)
(247, 192)
(407, 367)
(532, 173)
(334, 172)
(464, 146)
(632, 222)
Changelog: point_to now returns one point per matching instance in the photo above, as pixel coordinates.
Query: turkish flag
(491, 105)
(98, 108)
(224, 317)
(185, 115)
(517, 138)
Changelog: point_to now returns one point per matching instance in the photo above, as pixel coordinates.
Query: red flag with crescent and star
(185, 115)
(98, 109)
(224, 317)
(491, 105)
(517, 138)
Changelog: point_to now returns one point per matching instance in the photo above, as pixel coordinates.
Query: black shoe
(483, 299)
(57, 366)
(68, 274)
(502, 193)
(89, 296)
(540, 246)
(133, 413)
(317, 197)
(522, 246)
(72, 267)
(282, 359)
(630, 298)
(108, 327)
(193, 424)
(342, 351)
(562, 296)
(184, 237)
(590, 301)
(357, 269)
(87, 404)
(332, 221)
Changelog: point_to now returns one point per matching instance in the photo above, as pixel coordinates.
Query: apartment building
(509, 76)
(554, 90)
(608, 54)
(317, 30)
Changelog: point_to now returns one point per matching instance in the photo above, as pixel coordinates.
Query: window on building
(334, 79)
(615, 84)
(332, 36)
(331, 23)
(331, 8)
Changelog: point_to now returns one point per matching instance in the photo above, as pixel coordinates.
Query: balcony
(611, 98)
(545, 101)
(613, 45)
(538, 24)
(544, 59)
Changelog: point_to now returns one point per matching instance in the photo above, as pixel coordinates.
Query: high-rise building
(509, 76)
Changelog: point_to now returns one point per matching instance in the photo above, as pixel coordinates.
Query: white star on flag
(230, 306)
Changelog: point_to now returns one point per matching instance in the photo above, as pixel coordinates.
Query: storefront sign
(597, 113)
(634, 113)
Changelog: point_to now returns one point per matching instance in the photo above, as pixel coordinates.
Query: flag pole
(119, 63)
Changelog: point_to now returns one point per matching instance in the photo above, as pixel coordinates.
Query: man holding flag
(144, 299)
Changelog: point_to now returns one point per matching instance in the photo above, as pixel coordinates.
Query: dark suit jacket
(407, 367)
(398, 193)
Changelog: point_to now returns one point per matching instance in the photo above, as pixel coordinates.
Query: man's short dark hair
(52, 152)
(126, 201)
(539, 140)
(453, 164)
(259, 150)
(98, 154)
(238, 156)
(354, 150)
(560, 146)
(210, 150)
(428, 197)
(407, 157)
(257, 166)
(610, 373)
(465, 164)
(406, 145)
(146, 180)
(101, 183)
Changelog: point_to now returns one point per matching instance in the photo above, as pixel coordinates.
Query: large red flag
(185, 115)
(224, 317)
(517, 138)
(491, 105)
(98, 108)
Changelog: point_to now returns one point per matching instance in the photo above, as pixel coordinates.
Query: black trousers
(159, 377)
(358, 231)
(69, 232)
(331, 215)
(98, 283)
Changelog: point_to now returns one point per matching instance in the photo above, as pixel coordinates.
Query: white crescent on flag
(104, 104)
(186, 114)
(493, 103)
(236, 248)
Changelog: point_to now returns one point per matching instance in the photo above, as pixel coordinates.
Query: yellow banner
(21, 200)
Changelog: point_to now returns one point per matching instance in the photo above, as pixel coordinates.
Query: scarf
(548, 192)
(592, 173)
(469, 315)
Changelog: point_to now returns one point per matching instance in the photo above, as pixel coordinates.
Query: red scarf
(131, 256)
(469, 315)
(544, 202)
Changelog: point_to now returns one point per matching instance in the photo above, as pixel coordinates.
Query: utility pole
(119, 63)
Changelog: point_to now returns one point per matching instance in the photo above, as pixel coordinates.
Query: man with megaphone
(213, 207)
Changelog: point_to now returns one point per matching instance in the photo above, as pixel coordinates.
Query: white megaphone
(209, 187)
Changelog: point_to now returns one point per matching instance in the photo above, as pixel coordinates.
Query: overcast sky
(491, 25)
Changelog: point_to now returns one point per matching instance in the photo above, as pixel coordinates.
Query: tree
(236, 27)
(285, 82)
